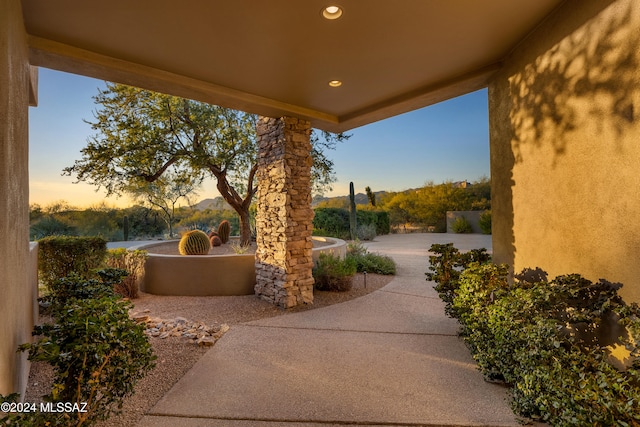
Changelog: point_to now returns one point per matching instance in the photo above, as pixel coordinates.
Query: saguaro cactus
(352, 212)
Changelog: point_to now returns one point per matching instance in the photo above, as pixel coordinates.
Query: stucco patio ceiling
(277, 57)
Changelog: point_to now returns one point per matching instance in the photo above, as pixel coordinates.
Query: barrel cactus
(215, 240)
(194, 242)
(224, 230)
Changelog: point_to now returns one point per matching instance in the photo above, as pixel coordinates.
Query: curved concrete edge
(199, 275)
(211, 275)
(335, 246)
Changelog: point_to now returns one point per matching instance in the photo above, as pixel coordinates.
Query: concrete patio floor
(391, 358)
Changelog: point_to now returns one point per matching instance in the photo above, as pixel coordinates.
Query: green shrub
(334, 274)
(98, 353)
(485, 222)
(60, 256)
(370, 262)
(380, 219)
(332, 222)
(51, 226)
(133, 263)
(374, 263)
(461, 226)
(546, 339)
(445, 267)
(355, 248)
(366, 232)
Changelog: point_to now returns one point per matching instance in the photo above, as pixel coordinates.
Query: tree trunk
(245, 227)
(240, 205)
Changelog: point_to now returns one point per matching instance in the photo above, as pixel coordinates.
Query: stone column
(284, 218)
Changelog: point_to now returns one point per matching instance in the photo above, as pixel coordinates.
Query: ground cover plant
(133, 263)
(334, 274)
(567, 347)
(98, 353)
(368, 262)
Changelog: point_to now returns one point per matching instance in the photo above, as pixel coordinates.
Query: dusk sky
(444, 142)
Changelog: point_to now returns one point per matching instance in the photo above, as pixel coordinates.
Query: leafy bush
(461, 226)
(355, 248)
(59, 256)
(485, 222)
(98, 353)
(334, 274)
(50, 226)
(374, 263)
(379, 219)
(334, 222)
(370, 262)
(445, 267)
(133, 263)
(366, 232)
(331, 222)
(551, 341)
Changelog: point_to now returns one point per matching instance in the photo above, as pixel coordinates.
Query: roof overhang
(276, 57)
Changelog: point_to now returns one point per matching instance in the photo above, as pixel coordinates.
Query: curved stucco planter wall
(212, 275)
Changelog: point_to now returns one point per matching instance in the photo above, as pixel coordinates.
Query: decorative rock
(195, 332)
(206, 341)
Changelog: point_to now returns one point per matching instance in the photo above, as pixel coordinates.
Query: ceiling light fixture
(335, 83)
(332, 12)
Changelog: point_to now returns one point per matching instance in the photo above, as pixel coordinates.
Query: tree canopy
(141, 135)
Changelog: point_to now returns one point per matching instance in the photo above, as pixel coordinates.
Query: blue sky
(446, 141)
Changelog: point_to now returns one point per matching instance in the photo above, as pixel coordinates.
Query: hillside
(217, 203)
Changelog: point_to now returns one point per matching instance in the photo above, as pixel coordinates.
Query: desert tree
(140, 135)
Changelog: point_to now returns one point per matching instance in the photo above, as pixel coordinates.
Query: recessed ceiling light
(335, 83)
(332, 12)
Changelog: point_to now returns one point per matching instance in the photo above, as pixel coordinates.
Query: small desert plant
(334, 274)
(224, 230)
(485, 222)
(369, 262)
(366, 232)
(194, 242)
(239, 248)
(215, 241)
(356, 248)
(131, 261)
(461, 226)
(97, 352)
(374, 263)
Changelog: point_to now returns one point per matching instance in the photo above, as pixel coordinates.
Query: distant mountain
(214, 204)
(218, 203)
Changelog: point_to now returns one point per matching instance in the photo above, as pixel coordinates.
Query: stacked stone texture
(284, 219)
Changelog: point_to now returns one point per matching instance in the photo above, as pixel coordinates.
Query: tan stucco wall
(16, 292)
(565, 146)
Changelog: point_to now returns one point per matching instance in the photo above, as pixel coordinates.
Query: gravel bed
(176, 355)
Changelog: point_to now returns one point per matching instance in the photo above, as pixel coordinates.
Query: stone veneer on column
(284, 219)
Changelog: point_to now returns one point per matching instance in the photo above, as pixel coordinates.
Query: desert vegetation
(567, 347)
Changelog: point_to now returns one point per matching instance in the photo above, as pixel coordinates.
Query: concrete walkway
(391, 358)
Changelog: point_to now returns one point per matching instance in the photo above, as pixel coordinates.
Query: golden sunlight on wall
(565, 146)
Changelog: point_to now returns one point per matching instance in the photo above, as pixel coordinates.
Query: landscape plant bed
(177, 355)
(567, 347)
(221, 273)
